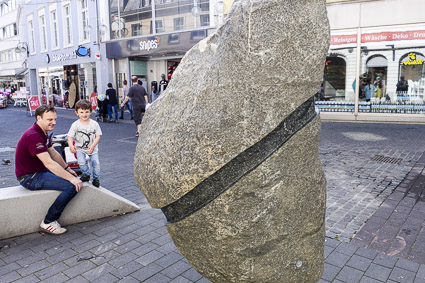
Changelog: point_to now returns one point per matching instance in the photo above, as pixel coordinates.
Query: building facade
(63, 41)
(382, 44)
(148, 38)
(12, 60)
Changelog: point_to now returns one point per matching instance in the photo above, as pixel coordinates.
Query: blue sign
(82, 51)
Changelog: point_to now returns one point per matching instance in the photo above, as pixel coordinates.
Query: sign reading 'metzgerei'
(64, 57)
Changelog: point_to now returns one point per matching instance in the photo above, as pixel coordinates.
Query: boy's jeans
(94, 163)
(49, 181)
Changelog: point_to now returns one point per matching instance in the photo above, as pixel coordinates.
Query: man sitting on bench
(39, 166)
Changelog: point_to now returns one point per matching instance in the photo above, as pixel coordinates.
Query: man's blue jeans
(49, 181)
(115, 111)
(94, 163)
(128, 107)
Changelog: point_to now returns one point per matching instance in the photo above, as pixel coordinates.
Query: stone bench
(22, 210)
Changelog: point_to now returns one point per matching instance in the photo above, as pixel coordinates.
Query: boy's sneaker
(52, 228)
(85, 178)
(96, 183)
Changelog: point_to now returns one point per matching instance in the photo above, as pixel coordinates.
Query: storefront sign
(33, 102)
(378, 37)
(413, 60)
(82, 51)
(149, 44)
(64, 57)
(157, 46)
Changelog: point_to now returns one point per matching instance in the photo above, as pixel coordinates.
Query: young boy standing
(86, 133)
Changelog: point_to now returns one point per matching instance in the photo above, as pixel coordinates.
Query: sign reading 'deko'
(64, 57)
(378, 37)
(149, 44)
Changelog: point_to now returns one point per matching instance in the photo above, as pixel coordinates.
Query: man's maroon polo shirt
(32, 142)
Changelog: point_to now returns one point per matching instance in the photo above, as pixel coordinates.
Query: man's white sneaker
(52, 228)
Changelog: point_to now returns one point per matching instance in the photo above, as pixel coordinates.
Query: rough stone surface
(230, 91)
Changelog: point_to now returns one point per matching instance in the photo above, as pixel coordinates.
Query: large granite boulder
(230, 151)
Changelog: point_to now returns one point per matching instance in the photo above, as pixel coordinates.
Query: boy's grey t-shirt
(84, 135)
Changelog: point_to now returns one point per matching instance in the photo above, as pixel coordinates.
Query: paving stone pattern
(357, 185)
(398, 227)
(136, 247)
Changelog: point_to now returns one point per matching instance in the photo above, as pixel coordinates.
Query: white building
(63, 41)
(12, 65)
(370, 39)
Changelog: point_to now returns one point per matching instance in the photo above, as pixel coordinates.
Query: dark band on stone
(244, 163)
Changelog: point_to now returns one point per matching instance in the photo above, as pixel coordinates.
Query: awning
(378, 61)
(21, 72)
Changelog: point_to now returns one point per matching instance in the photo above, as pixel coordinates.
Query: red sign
(378, 37)
(93, 100)
(33, 102)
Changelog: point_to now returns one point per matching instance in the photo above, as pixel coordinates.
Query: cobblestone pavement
(136, 247)
(398, 226)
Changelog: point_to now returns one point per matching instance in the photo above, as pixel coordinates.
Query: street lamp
(220, 7)
(196, 11)
(22, 47)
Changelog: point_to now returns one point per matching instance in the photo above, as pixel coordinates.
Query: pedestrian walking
(111, 95)
(139, 100)
(128, 103)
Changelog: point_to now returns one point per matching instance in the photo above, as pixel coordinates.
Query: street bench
(22, 210)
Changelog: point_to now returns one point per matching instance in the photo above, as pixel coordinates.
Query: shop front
(386, 65)
(65, 77)
(152, 59)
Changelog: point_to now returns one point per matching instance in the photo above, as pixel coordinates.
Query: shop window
(334, 79)
(377, 71)
(412, 67)
(178, 23)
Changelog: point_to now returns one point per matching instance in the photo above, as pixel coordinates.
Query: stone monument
(230, 151)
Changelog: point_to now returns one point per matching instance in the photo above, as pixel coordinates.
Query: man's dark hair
(44, 109)
(140, 82)
(83, 104)
(134, 79)
(109, 85)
